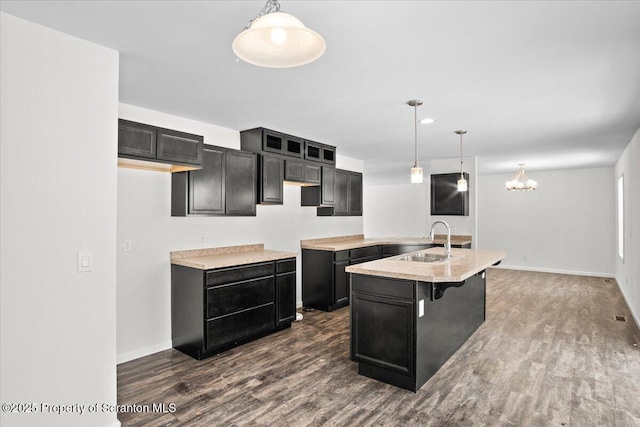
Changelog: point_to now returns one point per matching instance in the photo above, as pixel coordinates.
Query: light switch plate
(85, 261)
(128, 245)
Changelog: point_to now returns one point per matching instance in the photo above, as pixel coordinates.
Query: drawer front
(395, 288)
(234, 327)
(403, 249)
(238, 274)
(365, 252)
(294, 170)
(226, 299)
(286, 266)
(341, 256)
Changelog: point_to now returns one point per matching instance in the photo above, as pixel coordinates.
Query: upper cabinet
(348, 195)
(224, 186)
(149, 147)
(445, 197)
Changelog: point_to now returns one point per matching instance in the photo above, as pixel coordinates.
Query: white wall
(627, 271)
(395, 210)
(58, 145)
(565, 226)
(144, 215)
(404, 210)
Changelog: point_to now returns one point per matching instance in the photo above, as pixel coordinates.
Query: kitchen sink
(424, 257)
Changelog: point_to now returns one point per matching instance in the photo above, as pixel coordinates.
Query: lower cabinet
(325, 283)
(403, 331)
(215, 310)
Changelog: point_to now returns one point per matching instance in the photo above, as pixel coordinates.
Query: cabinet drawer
(226, 299)
(234, 327)
(238, 274)
(286, 266)
(395, 288)
(364, 252)
(341, 256)
(365, 259)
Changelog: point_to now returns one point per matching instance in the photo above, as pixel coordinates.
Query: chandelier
(521, 182)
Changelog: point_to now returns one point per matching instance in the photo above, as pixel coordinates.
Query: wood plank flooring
(549, 354)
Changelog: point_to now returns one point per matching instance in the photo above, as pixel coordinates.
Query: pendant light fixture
(521, 182)
(462, 183)
(416, 170)
(277, 40)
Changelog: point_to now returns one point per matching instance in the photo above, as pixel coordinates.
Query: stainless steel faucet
(447, 245)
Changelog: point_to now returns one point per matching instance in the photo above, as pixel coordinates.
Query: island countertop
(463, 264)
(229, 256)
(359, 241)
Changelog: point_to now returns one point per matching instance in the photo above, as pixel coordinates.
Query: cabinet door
(328, 186)
(312, 174)
(207, 185)
(312, 151)
(445, 197)
(286, 298)
(342, 193)
(136, 139)
(341, 282)
(179, 147)
(329, 154)
(355, 193)
(272, 176)
(272, 142)
(294, 170)
(293, 146)
(240, 178)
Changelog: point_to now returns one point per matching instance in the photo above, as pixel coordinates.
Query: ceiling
(551, 84)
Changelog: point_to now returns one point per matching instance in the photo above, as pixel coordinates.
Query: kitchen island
(409, 316)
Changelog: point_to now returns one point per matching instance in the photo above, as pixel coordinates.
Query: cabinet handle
(437, 289)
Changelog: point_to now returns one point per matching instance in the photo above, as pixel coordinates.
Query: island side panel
(447, 322)
(187, 308)
(383, 329)
(317, 279)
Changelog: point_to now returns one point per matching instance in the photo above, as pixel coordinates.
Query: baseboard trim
(136, 354)
(116, 423)
(626, 300)
(299, 304)
(556, 271)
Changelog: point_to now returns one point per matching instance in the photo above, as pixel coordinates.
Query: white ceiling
(552, 84)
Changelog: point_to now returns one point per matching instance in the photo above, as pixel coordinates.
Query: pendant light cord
(461, 176)
(415, 127)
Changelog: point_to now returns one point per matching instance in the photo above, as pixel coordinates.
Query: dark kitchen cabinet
(301, 171)
(286, 291)
(224, 186)
(403, 331)
(139, 141)
(325, 283)
(323, 194)
(312, 151)
(348, 195)
(271, 178)
(445, 197)
(215, 310)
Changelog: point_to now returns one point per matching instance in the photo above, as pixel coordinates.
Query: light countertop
(464, 263)
(359, 241)
(229, 256)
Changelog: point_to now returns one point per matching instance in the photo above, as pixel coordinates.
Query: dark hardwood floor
(549, 354)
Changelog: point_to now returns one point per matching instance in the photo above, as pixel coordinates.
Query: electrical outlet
(524, 257)
(127, 245)
(202, 239)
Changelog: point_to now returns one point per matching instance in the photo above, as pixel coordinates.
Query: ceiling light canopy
(416, 170)
(521, 182)
(277, 40)
(462, 183)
